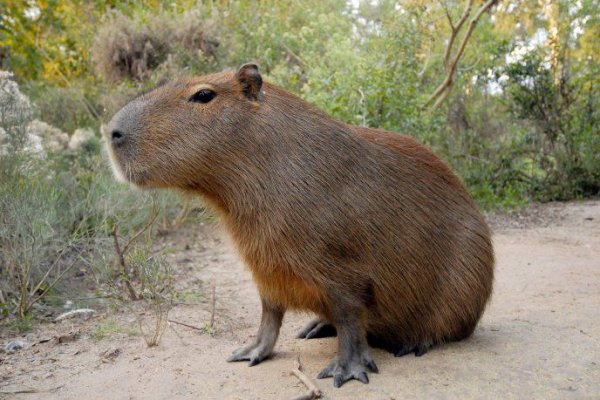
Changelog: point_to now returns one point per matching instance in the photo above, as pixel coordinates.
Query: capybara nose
(117, 137)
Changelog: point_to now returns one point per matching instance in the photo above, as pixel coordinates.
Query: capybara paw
(419, 350)
(342, 372)
(317, 328)
(253, 353)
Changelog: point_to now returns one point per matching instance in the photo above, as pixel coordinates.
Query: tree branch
(455, 30)
(445, 7)
(442, 91)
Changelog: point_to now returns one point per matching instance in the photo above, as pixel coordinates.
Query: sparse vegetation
(107, 327)
(58, 212)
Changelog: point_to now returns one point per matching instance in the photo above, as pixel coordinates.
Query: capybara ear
(251, 80)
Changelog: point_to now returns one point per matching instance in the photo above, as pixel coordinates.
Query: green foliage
(373, 65)
(67, 108)
(37, 231)
(564, 117)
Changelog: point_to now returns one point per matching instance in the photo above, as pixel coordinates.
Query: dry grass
(128, 48)
(132, 48)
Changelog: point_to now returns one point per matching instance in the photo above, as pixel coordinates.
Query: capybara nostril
(117, 137)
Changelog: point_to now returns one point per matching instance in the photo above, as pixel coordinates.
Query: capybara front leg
(261, 348)
(354, 358)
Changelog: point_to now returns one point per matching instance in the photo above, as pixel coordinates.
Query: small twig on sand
(313, 391)
(177, 334)
(30, 390)
(212, 305)
(186, 325)
(73, 313)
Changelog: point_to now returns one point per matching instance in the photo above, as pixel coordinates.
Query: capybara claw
(317, 328)
(344, 372)
(372, 366)
(253, 362)
(254, 354)
(419, 350)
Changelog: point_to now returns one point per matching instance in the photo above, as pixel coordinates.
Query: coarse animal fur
(367, 229)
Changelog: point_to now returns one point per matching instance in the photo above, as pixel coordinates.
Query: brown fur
(323, 213)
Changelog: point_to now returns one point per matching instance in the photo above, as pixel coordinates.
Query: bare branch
(445, 7)
(455, 30)
(49, 270)
(441, 98)
(51, 284)
(313, 391)
(213, 304)
(465, 15)
(425, 64)
(443, 89)
(138, 233)
(186, 325)
(121, 259)
(295, 56)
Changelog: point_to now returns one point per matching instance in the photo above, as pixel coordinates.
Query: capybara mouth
(124, 171)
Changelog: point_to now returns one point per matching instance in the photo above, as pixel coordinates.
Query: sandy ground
(539, 338)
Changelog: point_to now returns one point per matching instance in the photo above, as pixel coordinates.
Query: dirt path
(540, 337)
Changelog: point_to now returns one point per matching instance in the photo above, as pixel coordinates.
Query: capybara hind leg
(261, 348)
(354, 357)
(317, 328)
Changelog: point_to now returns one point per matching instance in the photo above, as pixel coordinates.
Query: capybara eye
(203, 96)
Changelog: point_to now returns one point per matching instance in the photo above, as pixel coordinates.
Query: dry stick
(313, 391)
(121, 258)
(73, 313)
(31, 390)
(443, 89)
(213, 302)
(186, 325)
(176, 333)
(121, 252)
(142, 230)
(52, 266)
(454, 29)
(53, 283)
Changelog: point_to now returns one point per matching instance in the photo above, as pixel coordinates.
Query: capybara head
(173, 135)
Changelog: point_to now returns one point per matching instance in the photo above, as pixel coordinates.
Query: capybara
(368, 229)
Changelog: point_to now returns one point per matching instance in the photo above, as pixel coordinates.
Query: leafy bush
(67, 108)
(564, 115)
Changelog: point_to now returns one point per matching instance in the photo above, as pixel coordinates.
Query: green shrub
(67, 108)
(58, 212)
(564, 142)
